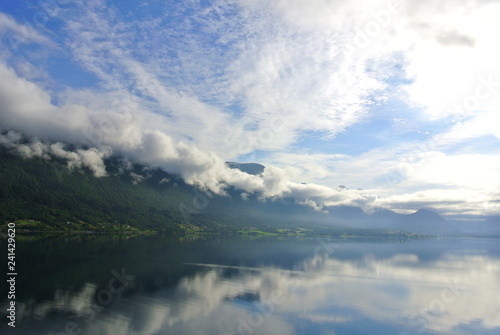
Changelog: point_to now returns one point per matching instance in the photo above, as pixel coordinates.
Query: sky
(396, 100)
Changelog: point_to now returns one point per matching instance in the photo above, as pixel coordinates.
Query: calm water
(150, 285)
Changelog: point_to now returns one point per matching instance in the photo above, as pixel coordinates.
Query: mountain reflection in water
(264, 286)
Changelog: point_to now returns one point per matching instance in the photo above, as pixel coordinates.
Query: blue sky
(399, 100)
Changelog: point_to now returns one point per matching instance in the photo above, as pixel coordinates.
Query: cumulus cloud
(91, 158)
(120, 121)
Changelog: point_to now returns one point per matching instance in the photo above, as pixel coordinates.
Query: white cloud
(407, 177)
(283, 79)
(173, 139)
(454, 48)
(20, 33)
(188, 92)
(92, 158)
(479, 125)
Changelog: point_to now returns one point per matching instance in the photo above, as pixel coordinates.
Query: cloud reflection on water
(401, 294)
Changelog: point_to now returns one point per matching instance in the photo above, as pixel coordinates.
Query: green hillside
(45, 195)
(47, 191)
(42, 194)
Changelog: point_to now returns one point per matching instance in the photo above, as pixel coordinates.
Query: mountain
(147, 198)
(425, 220)
(488, 226)
(250, 168)
(47, 191)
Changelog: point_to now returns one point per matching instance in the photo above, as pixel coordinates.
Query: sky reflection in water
(272, 286)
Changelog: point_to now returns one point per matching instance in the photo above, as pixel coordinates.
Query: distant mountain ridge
(142, 197)
(250, 168)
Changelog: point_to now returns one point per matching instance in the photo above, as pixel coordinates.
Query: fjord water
(215, 285)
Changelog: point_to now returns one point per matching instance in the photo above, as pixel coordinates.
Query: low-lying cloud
(194, 86)
(91, 158)
(216, 177)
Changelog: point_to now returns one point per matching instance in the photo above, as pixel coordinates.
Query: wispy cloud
(188, 86)
(20, 33)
